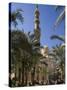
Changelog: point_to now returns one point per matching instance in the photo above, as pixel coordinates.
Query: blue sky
(48, 15)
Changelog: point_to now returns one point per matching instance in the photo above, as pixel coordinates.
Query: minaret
(36, 27)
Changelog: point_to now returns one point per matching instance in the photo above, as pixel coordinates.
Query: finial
(37, 6)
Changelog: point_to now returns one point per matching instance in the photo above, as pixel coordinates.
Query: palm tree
(35, 54)
(58, 21)
(58, 53)
(19, 43)
(14, 17)
(26, 52)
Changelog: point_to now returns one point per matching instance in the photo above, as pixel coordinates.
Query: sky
(48, 16)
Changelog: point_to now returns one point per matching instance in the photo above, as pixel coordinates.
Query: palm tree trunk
(22, 73)
(33, 75)
(26, 76)
(19, 75)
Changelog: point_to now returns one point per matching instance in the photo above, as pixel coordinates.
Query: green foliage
(15, 16)
(58, 53)
(58, 37)
(23, 52)
(60, 17)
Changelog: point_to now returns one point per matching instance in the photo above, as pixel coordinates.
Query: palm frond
(19, 16)
(16, 15)
(58, 7)
(58, 37)
(60, 18)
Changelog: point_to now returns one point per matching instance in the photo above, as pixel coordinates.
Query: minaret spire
(37, 6)
(36, 25)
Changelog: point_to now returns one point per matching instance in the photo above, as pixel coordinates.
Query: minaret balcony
(37, 21)
(37, 12)
(36, 16)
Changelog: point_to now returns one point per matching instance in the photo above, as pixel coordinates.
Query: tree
(14, 16)
(23, 49)
(58, 21)
(26, 54)
(35, 54)
(58, 53)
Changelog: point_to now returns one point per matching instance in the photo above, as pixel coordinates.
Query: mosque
(45, 64)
